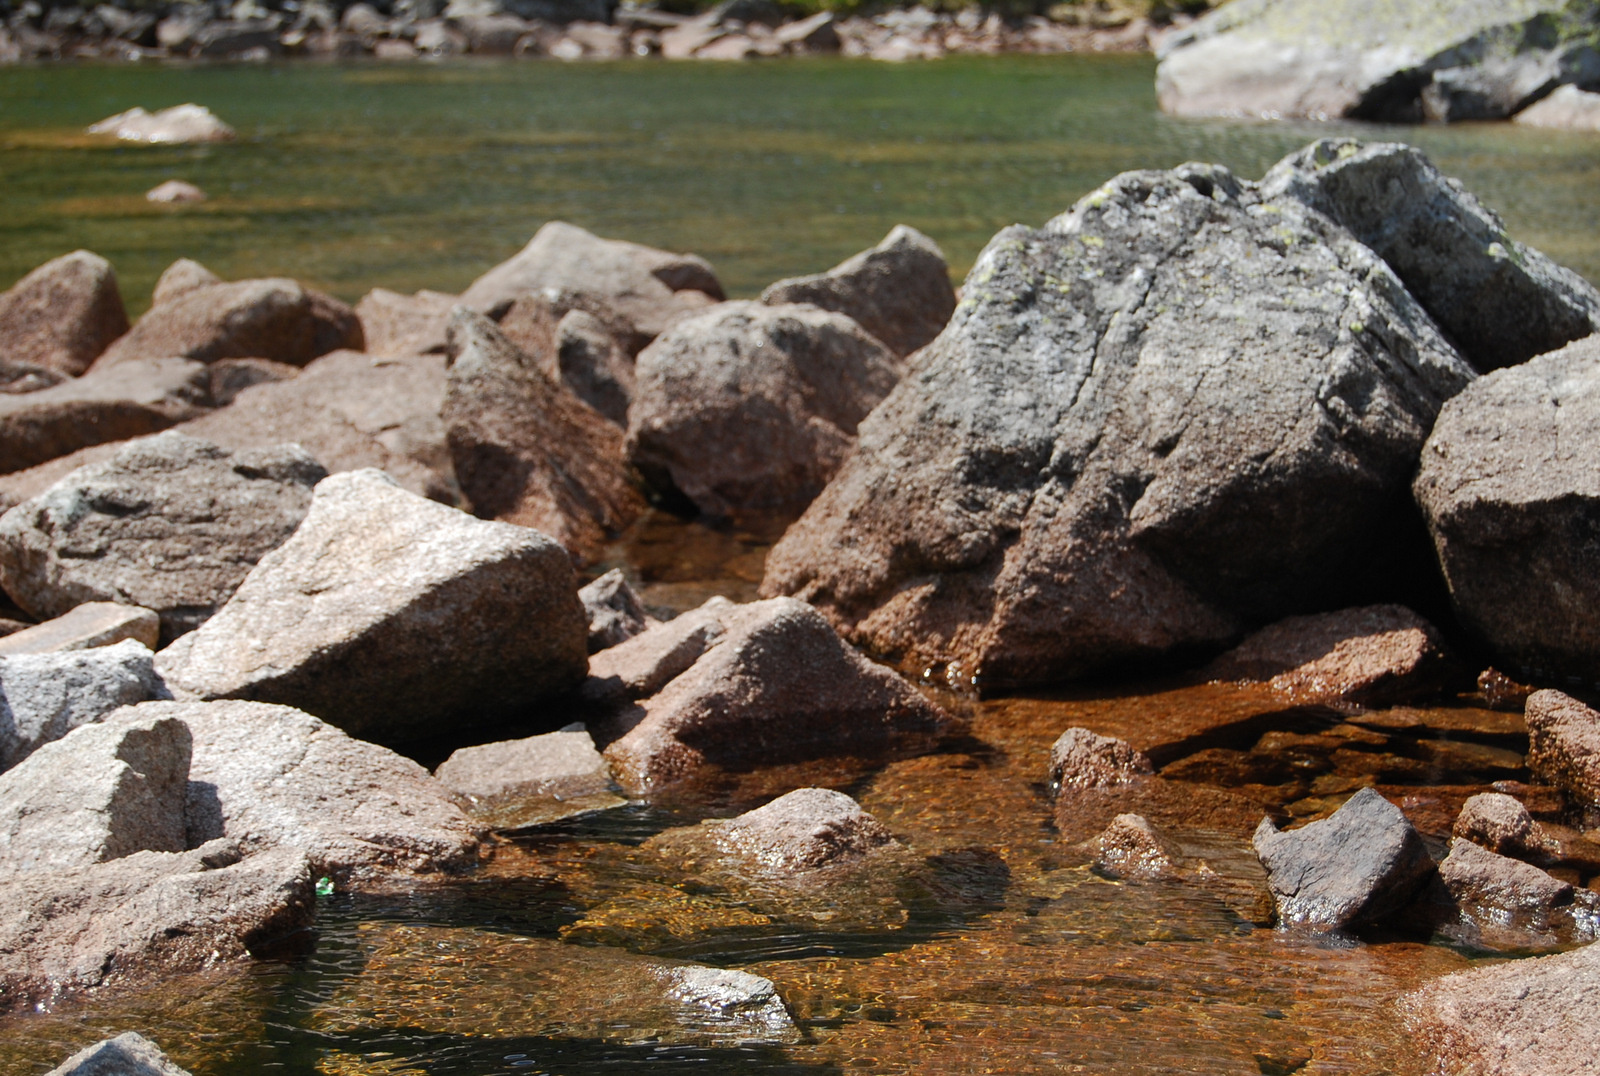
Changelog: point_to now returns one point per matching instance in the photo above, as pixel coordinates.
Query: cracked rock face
(1176, 409)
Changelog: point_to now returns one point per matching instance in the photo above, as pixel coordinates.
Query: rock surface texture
(61, 316)
(646, 663)
(1178, 407)
(1564, 745)
(518, 783)
(526, 450)
(394, 324)
(899, 291)
(129, 1054)
(1130, 847)
(170, 523)
(1499, 823)
(92, 624)
(178, 125)
(1358, 866)
(393, 618)
(1376, 60)
(1501, 902)
(45, 696)
(754, 406)
(778, 686)
(1510, 486)
(1083, 759)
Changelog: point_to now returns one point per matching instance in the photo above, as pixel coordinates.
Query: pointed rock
(615, 612)
(129, 1054)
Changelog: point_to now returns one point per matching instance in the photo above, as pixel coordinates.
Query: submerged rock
(92, 624)
(1499, 902)
(1083, 759)
(1564, 745)
(1361, 864)
(61, 316)
(1176, 408)
(518, 783)
(615, 611)
(129, 1054)
(779, 685)
(1512, 498)
(45, 696)
(1130, 847)
(175, 192)
(1373, 656)
(899, 291)
(809, 829)
(753, 406)
(393, 618)
(180, 124)
(170, 523)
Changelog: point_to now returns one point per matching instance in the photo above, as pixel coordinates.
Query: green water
(424, 175)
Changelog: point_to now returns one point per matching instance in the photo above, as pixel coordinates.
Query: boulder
(1499, 301)
(62, 315)
(129, 1054)
(805, 830)
(1130, 847)
(1523, 1018)
(178, 125)
(518, 783)
(1499, 902)
(644, 664)
(1564, 745)
(650, 289)
(103, 791)
(130, 400)
(45, 696)
(274, 318)
(779, 686)
(1372, 656)
(899, 291)
(170, 523)
(144, 916)
(394, 324)
(1566, 109)
(1499, 823)
(615, 612)
(179, 278)
(393, 618)
(1511, 493)
(753, 406)
(1147, 423)
(92, 624)
(1083, 759)
(1361, 864)
(175, 192)
(527, 451)
(1375, 60)
(229, 377)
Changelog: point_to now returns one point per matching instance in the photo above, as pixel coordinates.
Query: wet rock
(527, 451)
(517, 783)
(45, 696)
(805, 830)
(1082, 759)
(170, 523)
(1373, 60)
(647, 662)
(899, 291)
(274, 319)
(129, 1054)
(1523, 1018)
(1566, 109)
(144, 916)
(394, 324)
(1513, 504)
(1373, 656)
(179, 278)
(1499, 823)
(271, 776)
(649, 288)
(616, 613)
(92, 624)
(1357, 866)
(1499, 902)
(178, 125)
(778, 686)
(753, 406)
(1130, 847)
(1500, 692)
(130, 400)
(1113, 473)
(61, 316)
(175, 192)
(1564, 744)
(393, 618)
(1500, 301)
(103, 791)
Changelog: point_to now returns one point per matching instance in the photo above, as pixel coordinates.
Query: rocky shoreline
(265, 549)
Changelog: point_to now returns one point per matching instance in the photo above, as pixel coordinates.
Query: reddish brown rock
(754, 406)
(1564, 745)
(129, 1054)
(394, 324)
(62, 315)
(806, 830)
(899, 291)
(1374, 656)
(779, 686)
(1499, 823)
(92, 624)
(644, 664)
(1499, 902)
(229, 377)
(183, 275)
(1082, 759)
(514, 784)
(1130, 847)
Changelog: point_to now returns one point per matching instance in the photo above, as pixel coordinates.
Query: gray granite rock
(129, 1054)
(615, 611)
(61, 316)
(45, 696)
(86, 626)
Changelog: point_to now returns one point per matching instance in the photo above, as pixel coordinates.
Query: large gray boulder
(754, 406)
(1375, 59)
(393, 618)
(61, 316)
(1357, 866)
(1510, 486)
(45, 696)
(1176, 409)
(899, 291)
(101, 792)
(1499, 301)
(129, 1054)
(170, 523)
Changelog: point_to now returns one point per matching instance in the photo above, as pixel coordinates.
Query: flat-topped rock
(61, 316)
(1499, 902)
(1564, 745)
(1083, 759)
(44, 696)
(129, 1054)
(92, 624)
(393, 618)
(809, 829)
(518, 783)
(615, 611)
(171, 523)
